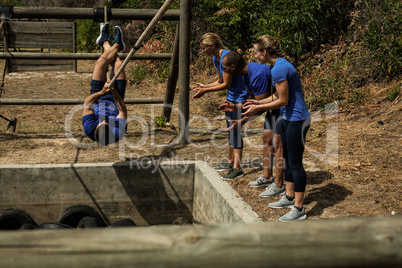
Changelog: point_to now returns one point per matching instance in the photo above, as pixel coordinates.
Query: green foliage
(395, 91)
(300, 25)
(138, 74)
(87, 32)
(160, 121)
(384, 38)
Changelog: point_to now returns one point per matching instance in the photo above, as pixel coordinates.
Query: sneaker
(118, 38)
(294, 215)
(282, 203)
(261, 182)
(233, 174)
(104, 34)
(273, 190)
(223, 166)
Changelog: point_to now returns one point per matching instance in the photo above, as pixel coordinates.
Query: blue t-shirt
(104, 110)
(237, 91)
(296, 110)
(258, 79)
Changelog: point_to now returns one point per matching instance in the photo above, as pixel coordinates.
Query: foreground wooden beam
(80, 56)
(73, 101)
(351, 242)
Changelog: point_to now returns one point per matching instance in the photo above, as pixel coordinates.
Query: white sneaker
(294, 215)
(273, 190)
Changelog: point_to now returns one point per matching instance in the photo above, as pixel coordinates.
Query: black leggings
(293, 136)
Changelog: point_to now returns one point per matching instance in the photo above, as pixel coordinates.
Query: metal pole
(140, 40)
(172, 80)
(184, 71)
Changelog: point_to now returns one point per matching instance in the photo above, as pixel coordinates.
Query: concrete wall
(215, 201)
(149, 193)
(153, 195)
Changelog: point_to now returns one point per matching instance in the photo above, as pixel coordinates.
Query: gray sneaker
(261, 182)
(282, 203)
(273, 190)
(223, 166)
(294, 215)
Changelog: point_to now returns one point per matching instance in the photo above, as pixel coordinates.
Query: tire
(73, 215)
(87, 222)
(27, 226)
(123, 223)
(53, 225)
(13, 219)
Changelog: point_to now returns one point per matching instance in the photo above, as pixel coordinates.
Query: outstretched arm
(222, 83)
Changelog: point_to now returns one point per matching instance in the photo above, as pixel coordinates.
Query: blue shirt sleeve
(89, 122)
(280, 73)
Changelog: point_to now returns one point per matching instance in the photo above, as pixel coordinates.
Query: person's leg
(279, 161)
(268, 153)
(297, 134)
(108, 56)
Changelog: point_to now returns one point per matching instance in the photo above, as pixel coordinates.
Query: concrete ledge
(150, 193)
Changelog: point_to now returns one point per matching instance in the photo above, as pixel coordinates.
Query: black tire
(73, 215)
(27, 226)
(87, 222)
(53, 225)
(13, 219)
(123, 223)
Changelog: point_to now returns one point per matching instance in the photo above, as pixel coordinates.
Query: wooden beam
(80, 56)
(72, 101)
(88, 13)
(350, 242)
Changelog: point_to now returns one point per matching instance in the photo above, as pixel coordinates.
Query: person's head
(266, 47)
(209, 42)
(104, 134)
(233, 62)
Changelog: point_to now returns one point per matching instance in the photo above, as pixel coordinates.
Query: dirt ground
(352, 159)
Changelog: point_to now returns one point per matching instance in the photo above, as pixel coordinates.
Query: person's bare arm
(121, 106)
(91, 99)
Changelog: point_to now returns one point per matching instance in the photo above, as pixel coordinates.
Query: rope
(108, 72)
(140, 40)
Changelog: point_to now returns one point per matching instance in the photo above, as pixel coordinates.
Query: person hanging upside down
(105, 113)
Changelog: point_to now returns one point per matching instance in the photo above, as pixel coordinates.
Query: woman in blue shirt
(212, 45)
(289, 98)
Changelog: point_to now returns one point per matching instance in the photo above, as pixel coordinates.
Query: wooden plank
(40, 34)
(42, 68)
(351, 242)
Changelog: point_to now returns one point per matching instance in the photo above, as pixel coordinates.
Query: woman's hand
(251, 110)
(197, 87)
(228, 106)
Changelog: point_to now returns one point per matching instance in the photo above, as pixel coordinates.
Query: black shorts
(119, 85)
(272, 120)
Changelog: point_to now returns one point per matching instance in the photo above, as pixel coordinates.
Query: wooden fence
(40, 35)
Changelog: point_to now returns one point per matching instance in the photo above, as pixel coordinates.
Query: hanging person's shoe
(118, 38)
(104, 34)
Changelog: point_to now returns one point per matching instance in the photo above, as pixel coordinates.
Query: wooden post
(172, 79)
(184, 71)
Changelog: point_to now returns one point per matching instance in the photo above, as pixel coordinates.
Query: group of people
(272, 86)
